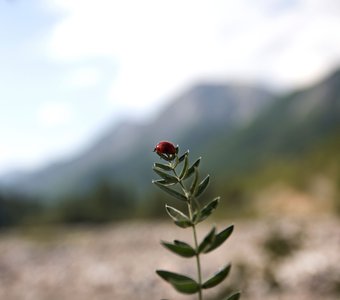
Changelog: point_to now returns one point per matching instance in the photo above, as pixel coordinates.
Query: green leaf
(183, 156)
(185, 167)
(169, 178)
(207, 241)
(220, 238)
(235, 296)
(162, 166)
(181, 283)
(175, 163)
(202, 186)
(170, 191)
(163, 182)
(192, 168)
(166, 157)
(217, 278)
(194, 183)
(180, 248)
(179, 218)
(206, 211)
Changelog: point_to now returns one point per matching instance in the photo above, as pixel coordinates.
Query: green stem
(198, 263)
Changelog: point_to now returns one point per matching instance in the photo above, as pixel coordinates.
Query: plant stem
(198, 263)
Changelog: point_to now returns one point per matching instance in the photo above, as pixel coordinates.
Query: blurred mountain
(297, 124)
(238, 129)
(123, 154)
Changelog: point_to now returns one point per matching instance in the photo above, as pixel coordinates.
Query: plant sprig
(181, 180)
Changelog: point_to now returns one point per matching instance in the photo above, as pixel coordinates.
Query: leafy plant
(182, 181)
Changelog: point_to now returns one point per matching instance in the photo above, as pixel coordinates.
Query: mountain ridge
(237, 128)
(206, 106)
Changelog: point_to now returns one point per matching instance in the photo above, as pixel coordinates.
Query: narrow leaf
(180, 248)
(206, 211)
(170, 191)
(181, 283)
(207, 241)
(192, 168)
(163, 182)
(162, 166)
(202, 186)
(166, 157)
(175, 213)
(169, 178)
(217, 278)
(179, 218)
(175, 163)
(220, 238)
(194, 182)
(235, 296)
(183, 156)
(185, 167)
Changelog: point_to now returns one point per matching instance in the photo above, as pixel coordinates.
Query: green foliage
(181, 283)
(217, 278)
(149, 206)
(219, 239)
(187, 187)
(297, 172)
(178, 217)
(181, 248)
(202, 186)
(235, 296)
(168, 179)
(163, 184)
(207, 241)
(201, 215)
(16, 209)
(280, 243)
(104, 204)
(192, 169)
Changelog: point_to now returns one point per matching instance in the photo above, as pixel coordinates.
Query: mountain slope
(124, 153)
(293, 126)
(239, 130)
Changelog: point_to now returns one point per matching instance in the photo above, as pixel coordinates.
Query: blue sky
(69, 69)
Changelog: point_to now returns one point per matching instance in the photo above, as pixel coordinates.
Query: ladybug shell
(165, 147)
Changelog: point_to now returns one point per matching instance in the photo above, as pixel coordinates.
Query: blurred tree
(17, 209)
(107, 202)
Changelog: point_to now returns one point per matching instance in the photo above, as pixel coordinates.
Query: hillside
(246, 135)
(290, 154)
(295, 125)
(124, 153)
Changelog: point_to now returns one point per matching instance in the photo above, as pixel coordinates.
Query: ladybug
(165, 148)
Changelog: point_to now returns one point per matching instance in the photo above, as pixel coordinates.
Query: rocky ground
(295, 260)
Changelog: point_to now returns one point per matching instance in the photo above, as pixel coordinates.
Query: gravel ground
(119, 262)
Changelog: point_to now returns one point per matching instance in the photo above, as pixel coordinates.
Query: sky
(70, 69)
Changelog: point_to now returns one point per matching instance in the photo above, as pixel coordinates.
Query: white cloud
(83, 77)
(5, 153)
(160, 46)
(54, 113)
(11, 157)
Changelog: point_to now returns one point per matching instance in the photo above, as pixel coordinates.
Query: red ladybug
(165, 147)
